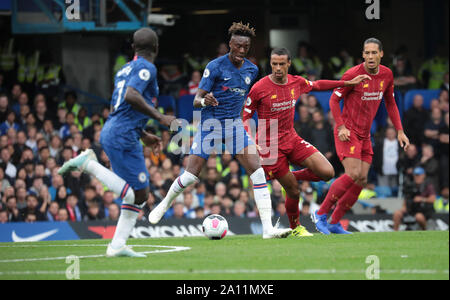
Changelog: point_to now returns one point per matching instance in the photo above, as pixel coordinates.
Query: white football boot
(78, 163)
(158, 212)
(123, 251)
(277, 233)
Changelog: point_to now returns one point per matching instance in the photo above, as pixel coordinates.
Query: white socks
(178, 186)
(129, 211)
(262, 199)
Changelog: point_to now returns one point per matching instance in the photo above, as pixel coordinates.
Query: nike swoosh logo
(227, 78)
(33, 238)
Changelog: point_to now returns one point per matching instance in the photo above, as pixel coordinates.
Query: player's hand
(152, 141)
(210, 100)
(358, 79)
(403, 140)
(343, 134)
(166, 120)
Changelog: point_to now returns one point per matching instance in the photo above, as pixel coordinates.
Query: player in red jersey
(274, 98)
(352, 133)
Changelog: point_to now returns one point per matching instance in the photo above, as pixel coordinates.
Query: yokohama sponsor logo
(372, 96)
(169, 231)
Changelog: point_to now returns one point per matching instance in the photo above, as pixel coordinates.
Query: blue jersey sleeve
(209, 77)
(141, 76)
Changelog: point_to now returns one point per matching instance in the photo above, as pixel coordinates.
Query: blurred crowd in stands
(40, 129)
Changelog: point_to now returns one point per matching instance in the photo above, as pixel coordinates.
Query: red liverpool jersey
(361, 102)
(275, 103)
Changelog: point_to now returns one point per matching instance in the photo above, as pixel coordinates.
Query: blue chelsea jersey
(125, 124)
(229, 86)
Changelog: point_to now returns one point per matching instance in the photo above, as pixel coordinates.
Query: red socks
(336, 191)
(346, 203)
(293, 212)
(306, 175)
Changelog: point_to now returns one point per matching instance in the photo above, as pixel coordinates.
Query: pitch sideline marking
(170, 249)
(229, 271)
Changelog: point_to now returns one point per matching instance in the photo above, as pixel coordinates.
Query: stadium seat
(166, 101)
(383, 191)
(324, 100)
(428, 95)
(185, 107)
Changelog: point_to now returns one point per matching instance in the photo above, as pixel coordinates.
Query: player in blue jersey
(131, 108)
(225, 84)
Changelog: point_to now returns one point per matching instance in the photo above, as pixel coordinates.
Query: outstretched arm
(325, 85)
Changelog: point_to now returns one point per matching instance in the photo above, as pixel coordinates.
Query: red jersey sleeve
(306, 86)
(391, 106)
(336, 97)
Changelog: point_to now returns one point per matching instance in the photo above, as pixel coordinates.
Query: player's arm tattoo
(135, 99)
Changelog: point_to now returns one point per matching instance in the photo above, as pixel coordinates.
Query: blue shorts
(215, 138)
(129, 165)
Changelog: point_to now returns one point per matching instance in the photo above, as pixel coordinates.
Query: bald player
(131, 108)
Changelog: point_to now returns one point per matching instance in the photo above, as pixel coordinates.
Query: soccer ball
(215, 227)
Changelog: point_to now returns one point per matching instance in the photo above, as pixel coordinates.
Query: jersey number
(120, 86)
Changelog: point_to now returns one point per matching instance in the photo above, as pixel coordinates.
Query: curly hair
(241, 29)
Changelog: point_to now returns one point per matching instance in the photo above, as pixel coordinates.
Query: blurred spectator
(308, 204)
(443, 101)
(302, 64)
(239, 209)
(404, 78)
(445, 85)
(321, 134)
(431, 128)
(5, 158)
(444, 150)
(178, 211)
(302, 125)
(431, 165)
(441, 204)
(415, 119)
(63, 215)
(73, 208)
(280, 209)
(386, 158)
(11, 209)
(192, 85)
(4, 107)
(70, 103)
(10, 122)
(31, 208)
(113, 212)
(419, 200)
(215, 209)
(432, 71)
(52, 212)
(93, 212)
(340, 63)
(233, 175)
(3, 215)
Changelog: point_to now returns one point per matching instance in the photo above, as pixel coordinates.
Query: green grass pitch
(399, 255)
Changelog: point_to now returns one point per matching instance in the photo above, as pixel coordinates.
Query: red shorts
(355, 148)
(294, 151)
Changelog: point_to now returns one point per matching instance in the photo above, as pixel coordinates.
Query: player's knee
(362, 181)
(141, 197)
(129, 197)
(327, 173)
(293, 192)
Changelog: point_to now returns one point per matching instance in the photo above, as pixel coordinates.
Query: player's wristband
(203, 102)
